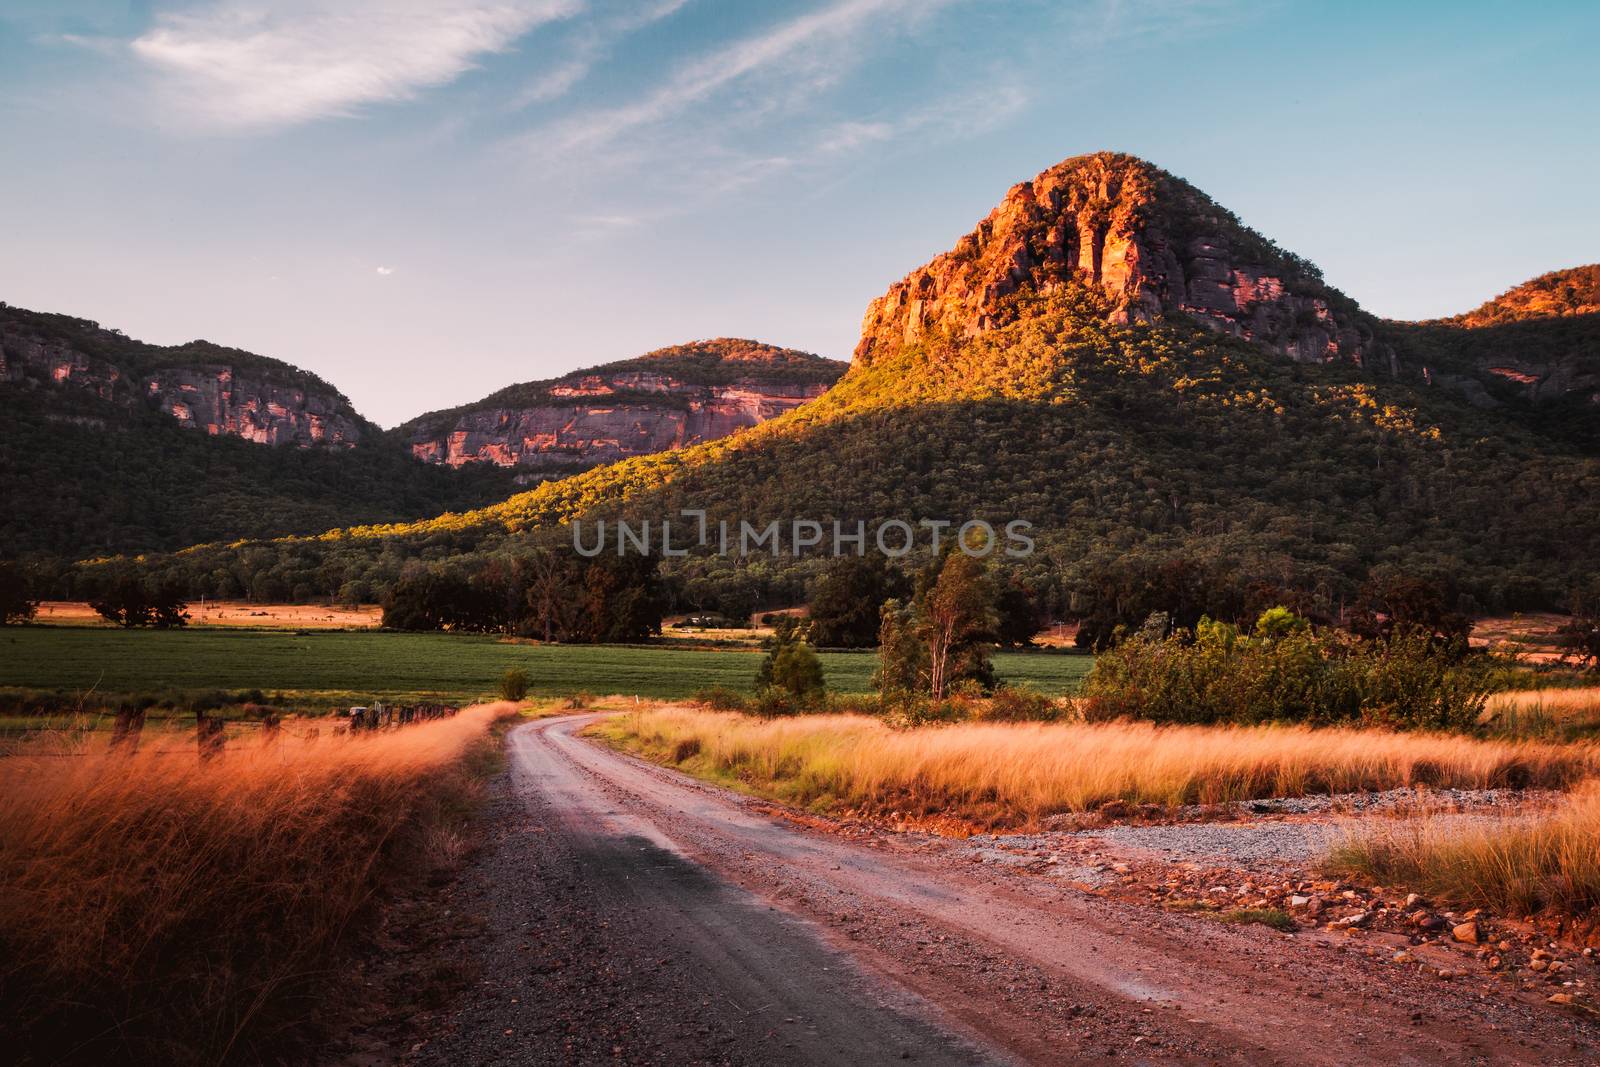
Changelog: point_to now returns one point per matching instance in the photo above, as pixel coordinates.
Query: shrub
(1274, 917)
(514, 684)
(1288, 672)
(1019, 703)
(772, 702)
(910, 711)
(721, 698)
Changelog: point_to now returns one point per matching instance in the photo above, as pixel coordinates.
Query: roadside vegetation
(1286, 670)
(1555, 714)
(1018, 773)
(160, 908)
(1523, 865)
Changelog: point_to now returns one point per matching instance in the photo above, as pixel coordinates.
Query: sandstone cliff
(206, 387)
(666, 399)
(1151, 243)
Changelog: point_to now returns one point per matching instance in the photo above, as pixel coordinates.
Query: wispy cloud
(237, 64)
(589, 46)
(385, 271)
(818, 42)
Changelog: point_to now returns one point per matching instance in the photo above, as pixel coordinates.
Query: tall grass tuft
(1555, 714)
(157, 909)
(1522, 865)
(1013, 773)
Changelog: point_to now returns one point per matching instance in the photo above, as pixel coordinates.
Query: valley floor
(625, 913)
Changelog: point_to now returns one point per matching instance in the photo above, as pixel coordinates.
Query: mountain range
(113, 445)
(1167, 395)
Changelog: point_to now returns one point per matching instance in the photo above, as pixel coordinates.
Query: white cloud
(819, 42)
(385, 271)
(238, 64)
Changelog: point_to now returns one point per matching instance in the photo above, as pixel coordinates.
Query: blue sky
(424, 200)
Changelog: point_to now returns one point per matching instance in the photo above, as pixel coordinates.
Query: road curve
(661, 919)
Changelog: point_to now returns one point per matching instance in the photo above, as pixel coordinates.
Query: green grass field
(396, 665)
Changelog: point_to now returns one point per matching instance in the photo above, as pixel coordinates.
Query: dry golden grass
(233, 613)
(1566, 713)
(157, 909)
(1013, 774)
(1521, 865)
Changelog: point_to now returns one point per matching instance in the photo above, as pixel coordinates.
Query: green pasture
(398, 665)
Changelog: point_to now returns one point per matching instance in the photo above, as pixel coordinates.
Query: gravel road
(638, 916)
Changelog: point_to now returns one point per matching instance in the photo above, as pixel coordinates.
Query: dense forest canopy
(1131, 448)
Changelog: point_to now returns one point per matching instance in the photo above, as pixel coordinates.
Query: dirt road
(640, 916)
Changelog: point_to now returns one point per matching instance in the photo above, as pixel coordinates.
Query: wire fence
(210, 732)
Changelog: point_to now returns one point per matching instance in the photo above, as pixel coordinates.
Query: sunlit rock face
(1151, 243)
(666, 400)
(204, 387)
(218, 401)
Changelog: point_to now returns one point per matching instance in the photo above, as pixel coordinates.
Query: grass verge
(1552, 714)
(1013, 774)
(1548, 861)
(157, 909)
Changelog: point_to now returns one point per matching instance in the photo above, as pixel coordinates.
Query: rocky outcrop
(594, 431)
(216, 399)
(666, 400)
(219, 391)
(1150, 243)
(27, 357)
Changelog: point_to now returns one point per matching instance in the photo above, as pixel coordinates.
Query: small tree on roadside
(902, 657)
(791, 666)
(955, 617)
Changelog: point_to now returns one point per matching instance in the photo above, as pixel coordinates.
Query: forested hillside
(1180, 409)
(108, 444)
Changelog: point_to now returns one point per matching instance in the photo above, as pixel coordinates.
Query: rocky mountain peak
(1150, 243)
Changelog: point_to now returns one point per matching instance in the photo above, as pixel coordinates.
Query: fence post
(208, 735)
(125, 730)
